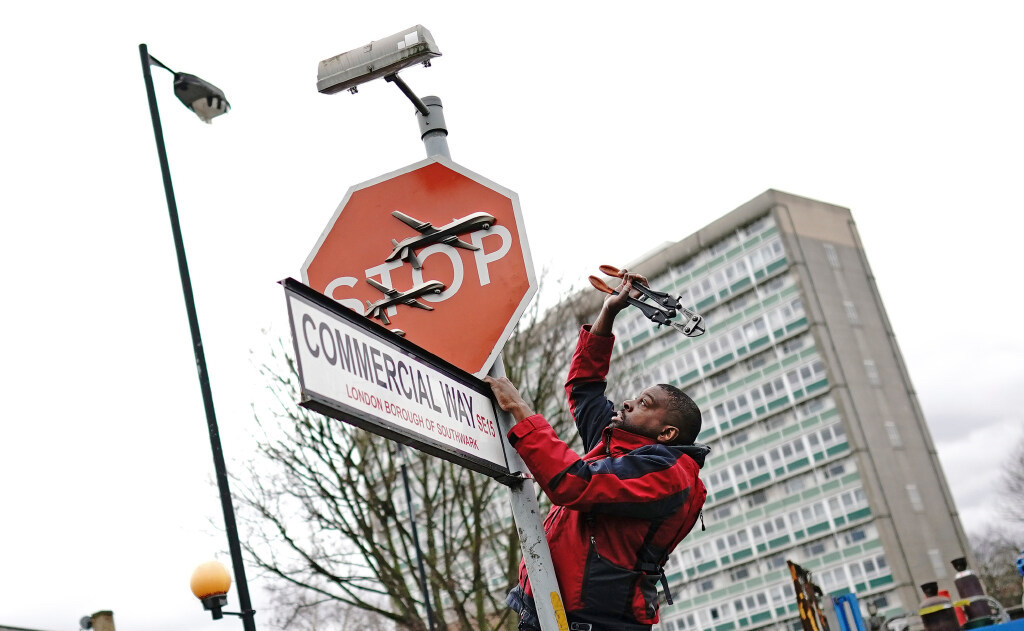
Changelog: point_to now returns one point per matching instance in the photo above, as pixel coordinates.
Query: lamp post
(207, 101)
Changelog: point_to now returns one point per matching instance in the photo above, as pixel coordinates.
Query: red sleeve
(591, 360)
(648, 482)
(585, 386)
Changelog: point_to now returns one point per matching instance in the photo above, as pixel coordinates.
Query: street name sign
(354, 370)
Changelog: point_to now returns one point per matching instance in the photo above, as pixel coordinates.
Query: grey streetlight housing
(377, 59)
(202, 97)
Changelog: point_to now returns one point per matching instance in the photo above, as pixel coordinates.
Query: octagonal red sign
(432, 249)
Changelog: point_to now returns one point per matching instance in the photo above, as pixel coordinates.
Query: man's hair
(683, 414)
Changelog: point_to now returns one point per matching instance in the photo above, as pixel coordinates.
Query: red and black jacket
(619, 511)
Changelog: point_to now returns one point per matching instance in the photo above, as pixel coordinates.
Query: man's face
(645, 415)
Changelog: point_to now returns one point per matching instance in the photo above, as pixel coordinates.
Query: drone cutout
(448, 235)
(394, 297)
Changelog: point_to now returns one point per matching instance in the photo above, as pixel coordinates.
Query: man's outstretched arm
(585, 385)
(644, 484)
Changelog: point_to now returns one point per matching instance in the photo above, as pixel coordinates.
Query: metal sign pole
(525, 508)
(530, 526)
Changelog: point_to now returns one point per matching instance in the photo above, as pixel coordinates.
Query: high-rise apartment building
(820, 451)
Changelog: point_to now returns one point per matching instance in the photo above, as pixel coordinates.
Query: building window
(719, 379)
(835, 470)
(915, 498)
(872, 372)
(851, 312)
(739, 303)
(937, 565)
(756, 499)
(737, 439)
(854, 536)
(757, 226)
(856, 572)
(795, 485)
(739, 574)
(777, 421)
(757, 361)
(894, 434)
(793, 345)
(774, 562)
(722, 512)
(814, 405)
(832, 255)
(721, 246)
(703, 551)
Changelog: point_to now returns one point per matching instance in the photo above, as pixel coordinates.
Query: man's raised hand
(508, 397)
(616, 302)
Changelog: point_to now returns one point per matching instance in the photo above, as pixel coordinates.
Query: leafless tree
(303, 610)
(1012, 485)
(325, 512)
(996, 553)
(326, 516)
(537, 355)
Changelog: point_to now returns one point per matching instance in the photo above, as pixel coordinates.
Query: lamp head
(202, 97)
(210, 579)
(210, 584)
(377, 59)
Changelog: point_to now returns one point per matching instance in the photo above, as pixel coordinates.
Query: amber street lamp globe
(210, 583)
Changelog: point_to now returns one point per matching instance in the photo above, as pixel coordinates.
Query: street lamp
(208, 102)
(384, 58)
(210, 583)
(380, 58)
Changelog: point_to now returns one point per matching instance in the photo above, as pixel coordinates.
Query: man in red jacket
(620, 510)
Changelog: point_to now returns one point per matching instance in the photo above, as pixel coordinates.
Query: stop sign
(432, 249)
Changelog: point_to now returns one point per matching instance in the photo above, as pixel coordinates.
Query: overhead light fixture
(377, 59)
(202, 97)
(210, 583)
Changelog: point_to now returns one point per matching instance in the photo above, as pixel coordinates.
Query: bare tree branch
(326, 516)
(1011, 487)
(996, 554)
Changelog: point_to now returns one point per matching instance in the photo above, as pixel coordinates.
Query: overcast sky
(620, 126)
